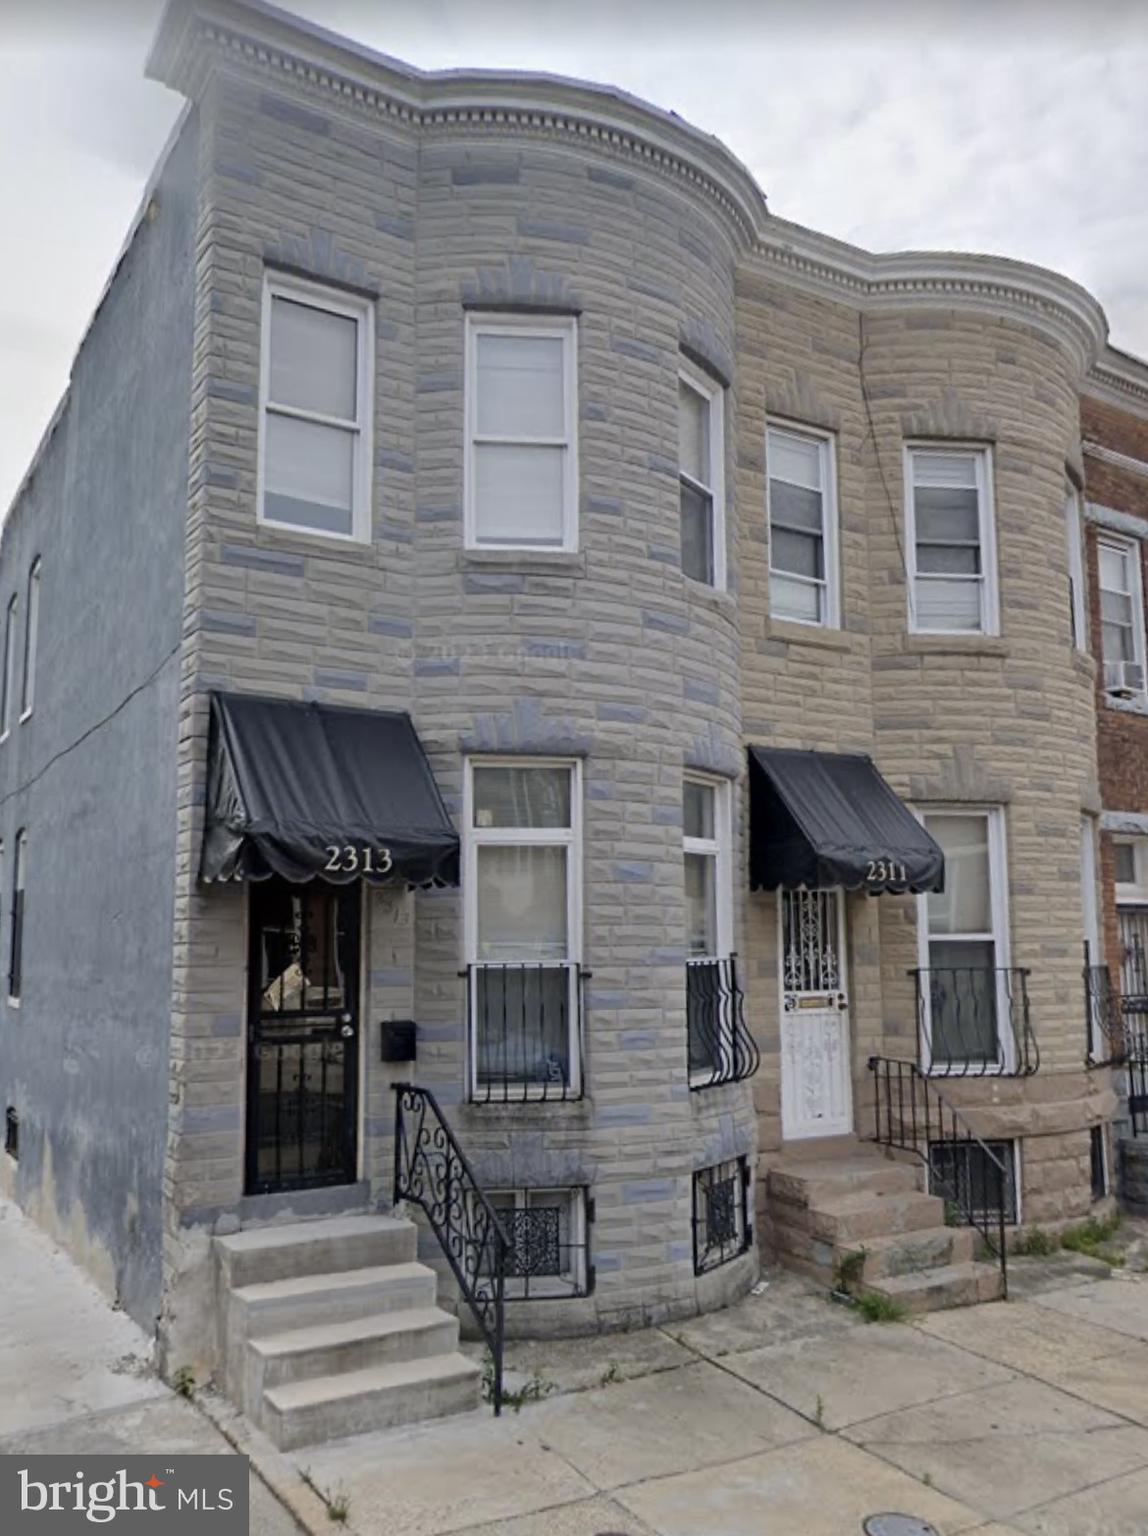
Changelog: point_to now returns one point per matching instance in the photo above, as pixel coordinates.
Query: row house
(546, 751)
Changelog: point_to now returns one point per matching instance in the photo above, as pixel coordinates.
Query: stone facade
(436, 197)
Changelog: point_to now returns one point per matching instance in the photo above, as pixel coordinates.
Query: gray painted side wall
(84, 1058)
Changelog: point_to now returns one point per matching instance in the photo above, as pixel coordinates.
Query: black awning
(829, 818)
(303, 790)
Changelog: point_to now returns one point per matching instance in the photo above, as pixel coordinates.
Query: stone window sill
(810, 634)
(560, 562)
(955, 645)
(1138, 705)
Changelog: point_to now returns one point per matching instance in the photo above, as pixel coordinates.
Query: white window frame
(335, 301)
(826, 443)
(571, 838)
(567, 1284)
(31, 641)
(717, 848)
(714, 396)
(998, 935)
(19, 887)
(1075, 551)
(1013, 1143)
(1129, 550)
(8, 682)
(551, 327)
(986, 528)
(1134, 893)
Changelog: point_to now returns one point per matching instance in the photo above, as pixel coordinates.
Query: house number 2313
(349, 860)
(881, 871)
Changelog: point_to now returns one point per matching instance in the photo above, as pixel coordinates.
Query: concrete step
(905, 1253)
(308, 1301)
(330, 1348)
(812, 1182)
(261, 1255)
(950, 1285)
(378, 1397)
(848, 1220)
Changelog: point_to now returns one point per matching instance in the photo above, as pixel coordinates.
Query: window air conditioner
(1123, 678)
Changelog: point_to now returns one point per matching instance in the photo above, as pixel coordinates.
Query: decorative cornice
(257, 35)
(196, 36)
(1121, 379)
(1122, 461)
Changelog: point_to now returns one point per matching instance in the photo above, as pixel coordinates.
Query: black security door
(303, 1035)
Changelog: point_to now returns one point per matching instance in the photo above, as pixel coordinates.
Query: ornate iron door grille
(303, 1036)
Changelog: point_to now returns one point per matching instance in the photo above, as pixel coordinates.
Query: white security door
(816, 1073)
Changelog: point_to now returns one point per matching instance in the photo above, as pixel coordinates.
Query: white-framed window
(801, 507)
(16, 933)
(951, 542)
(547, 1229)
(701, 477)
(1130, 869)
(1075, 553)
(1121, 615)
(522, 903)
(962, 931)
(8, 686)
(521, 461)
(31, 640)
(316, 409)
(710, 1020)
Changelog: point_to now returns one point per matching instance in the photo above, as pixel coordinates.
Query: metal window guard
(721, 1048)
(1106, 1041)
(912, 1115)
(432, 1172)
(525, 1031)
(973, 1021)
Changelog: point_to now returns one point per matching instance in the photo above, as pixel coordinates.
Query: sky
(1018, 127)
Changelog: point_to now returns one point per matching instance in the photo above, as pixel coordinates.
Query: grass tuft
(876, 1308)
(1092, 1238)
(1036, 1243)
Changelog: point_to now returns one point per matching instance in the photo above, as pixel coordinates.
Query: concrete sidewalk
(784, 1416)
(76, 1376)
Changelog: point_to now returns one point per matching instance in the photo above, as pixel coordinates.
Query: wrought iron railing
(1138, 1088)
(974, 1021)
(721, 1048)
(1106, 1032)
(432, 1172)
(525, 1031)
(912, 1115)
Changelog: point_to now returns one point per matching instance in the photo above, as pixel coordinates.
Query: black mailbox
(397, 1040)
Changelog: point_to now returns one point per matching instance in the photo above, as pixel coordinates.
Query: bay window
(522, 895)
(316, 388)
(521, 470)
(952, 555)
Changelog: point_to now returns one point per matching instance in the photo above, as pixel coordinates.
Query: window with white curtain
(1121, 615)
(802, 512)
(701, 438)
(963, 938)
(315, 449)
(31, 640)
(521, 472)
(522, 899)
(952, 555)
(8, 683)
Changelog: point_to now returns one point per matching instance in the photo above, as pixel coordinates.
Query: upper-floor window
(522, 883)
(31, 640)
(1075, 568)
(315, 453)
(701, 478)
(802, 509)
(521, 476)
(1121, 615)
(16, 937)
(951, 555)
(8, 683)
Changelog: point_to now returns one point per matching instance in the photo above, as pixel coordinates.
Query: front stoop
(826, 1201)
(330, 1328)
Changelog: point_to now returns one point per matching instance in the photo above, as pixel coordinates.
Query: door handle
(347, 1031)
(344, 1018)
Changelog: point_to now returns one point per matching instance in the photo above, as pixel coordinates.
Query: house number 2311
(350, 860)
(881, 871)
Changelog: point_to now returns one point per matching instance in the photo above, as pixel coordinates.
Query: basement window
(549, 1246)
(1099, 1160)
(721, 1223)
(12, 1134)
(963, 1177)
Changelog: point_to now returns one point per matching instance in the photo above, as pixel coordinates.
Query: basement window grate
(722, 1229)
(961, 1174)
(12, 1133)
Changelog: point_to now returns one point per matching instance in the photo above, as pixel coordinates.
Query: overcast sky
(1020, 129)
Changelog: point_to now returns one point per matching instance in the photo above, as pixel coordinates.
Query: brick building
(510, 616)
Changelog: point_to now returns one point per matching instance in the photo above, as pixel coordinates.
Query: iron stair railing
(912, 1115)
(432, 1172)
